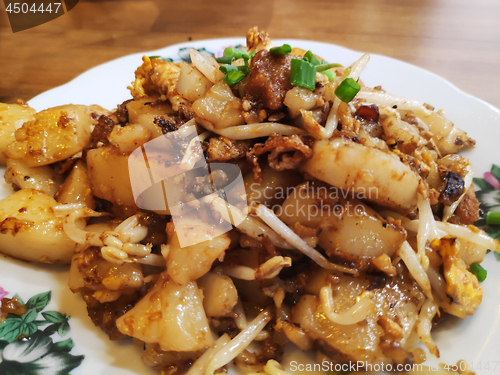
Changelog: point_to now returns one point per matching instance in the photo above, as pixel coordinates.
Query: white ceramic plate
(475, 339)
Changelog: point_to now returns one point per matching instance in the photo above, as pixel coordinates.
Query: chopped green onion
(244, 69)
(233, 77)
(285, 49)
(246, 58)
(233, 74)
(154, 57)
(303, 74)
(227, 68)
(230, 68)
(309, 57)
(493, 218)
(322, 67)
(347, 90)
(330, 74)
(237, 53)
(480, 272)
(224, 59)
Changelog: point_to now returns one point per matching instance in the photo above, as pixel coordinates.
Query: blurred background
(456, 39)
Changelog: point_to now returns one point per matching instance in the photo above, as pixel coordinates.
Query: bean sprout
(355, 314)
(239, 343)
(415, 268)
(270, 218)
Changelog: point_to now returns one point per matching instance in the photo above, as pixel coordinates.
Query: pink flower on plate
(488, 176)
(3, 293)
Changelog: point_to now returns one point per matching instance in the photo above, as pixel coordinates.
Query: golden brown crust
(225, 149)
(468, 209)
(286, 152)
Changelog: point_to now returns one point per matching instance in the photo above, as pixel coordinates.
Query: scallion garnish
(227, 68)
(309, 57)
(493, 218)
(285, 49)
(246, 58)
(154, 57)
(230, 54)
(244, 69)
(237, 53)
(303, 74)
(224, 59)
(233, 74)
(480, 272)
(330, 74)
(322, 67)
(233, 77)
(347, 90)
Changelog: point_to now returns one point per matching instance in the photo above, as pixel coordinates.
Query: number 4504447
(26, 8)
(475, 366)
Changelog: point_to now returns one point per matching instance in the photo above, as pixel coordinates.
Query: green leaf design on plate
(13, 334)
(489, 197)
(3, 329)
(11, 328)
(495, 171)
(55, 317)
(64, 346)
(28, 329)
(30, 316)
(492, 232)
(63, 329)
(185, 55)
(483, 184)
(40, 301)
(37, 353)
(50, 330)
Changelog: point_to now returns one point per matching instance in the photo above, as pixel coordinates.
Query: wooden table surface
(457, 39)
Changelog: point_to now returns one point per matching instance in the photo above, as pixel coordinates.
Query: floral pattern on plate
(184, 55)
(27, 345)
(489, 196)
